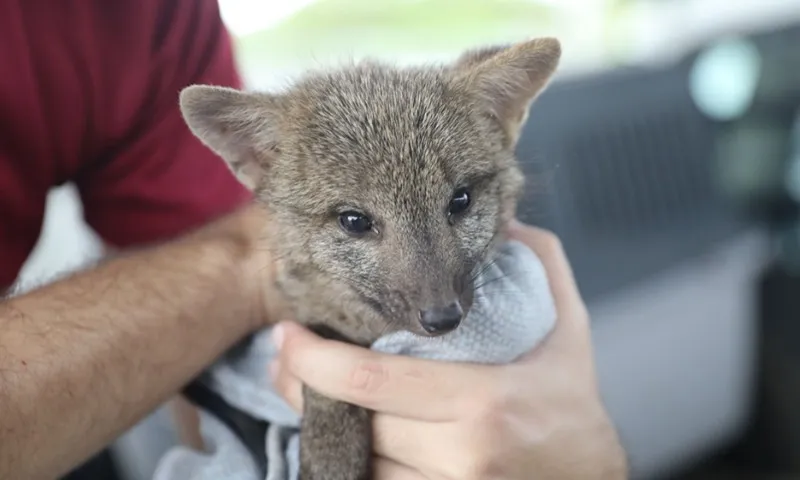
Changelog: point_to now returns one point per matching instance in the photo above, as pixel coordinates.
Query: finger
(548, 248)
(287, 385)
(426, 446)
(386, 469)
(398, 385)
(572, 328)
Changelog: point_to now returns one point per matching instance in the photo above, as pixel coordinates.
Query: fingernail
(277, 336)
(274, 367)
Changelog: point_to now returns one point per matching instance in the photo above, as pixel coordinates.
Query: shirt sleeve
(158, 180)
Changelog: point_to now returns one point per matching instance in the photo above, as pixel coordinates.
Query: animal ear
(240, 127)
(508, 78)
(476, 56)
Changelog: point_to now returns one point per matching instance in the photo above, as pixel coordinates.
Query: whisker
(484, 265)
(387, 326)
(491, 281)
(501, 277)
(484, 268)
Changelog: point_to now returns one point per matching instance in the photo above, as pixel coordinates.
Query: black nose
(439, 320)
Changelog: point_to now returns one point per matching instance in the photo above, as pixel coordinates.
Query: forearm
(85, 358)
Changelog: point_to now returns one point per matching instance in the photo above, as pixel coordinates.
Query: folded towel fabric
(512, 312)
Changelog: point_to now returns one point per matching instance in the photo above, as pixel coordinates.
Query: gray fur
(394, 143)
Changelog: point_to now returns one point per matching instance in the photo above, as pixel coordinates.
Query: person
(93, 101)
(89, 96)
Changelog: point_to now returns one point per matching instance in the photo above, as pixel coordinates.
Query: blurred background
(662, 155)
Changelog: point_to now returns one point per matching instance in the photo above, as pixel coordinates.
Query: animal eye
(355, 223)
(459, 203)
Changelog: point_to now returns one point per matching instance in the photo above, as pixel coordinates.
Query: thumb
(295, 333)
(572, 324)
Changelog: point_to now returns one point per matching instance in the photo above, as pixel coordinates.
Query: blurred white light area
(724, 79)
(243, 17)
(792, 179)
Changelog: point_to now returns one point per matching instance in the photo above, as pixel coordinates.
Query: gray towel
(512, 313)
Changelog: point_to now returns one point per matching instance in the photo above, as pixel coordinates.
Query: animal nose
(440, 320)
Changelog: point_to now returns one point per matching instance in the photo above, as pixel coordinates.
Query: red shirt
(89, 94)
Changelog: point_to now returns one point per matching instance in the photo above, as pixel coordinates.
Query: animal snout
(441, 320)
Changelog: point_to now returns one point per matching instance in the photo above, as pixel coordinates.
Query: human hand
(540, 417)
(249, 228)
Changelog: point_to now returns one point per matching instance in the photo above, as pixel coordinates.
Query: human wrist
(619, 468)
(240, 238)
(612, 455)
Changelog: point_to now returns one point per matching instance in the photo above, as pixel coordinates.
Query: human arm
(540, 417)
(148, 178)
(84, 358)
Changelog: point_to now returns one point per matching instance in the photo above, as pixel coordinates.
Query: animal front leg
(335, 439)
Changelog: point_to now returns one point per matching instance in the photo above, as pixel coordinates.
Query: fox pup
(386, 190)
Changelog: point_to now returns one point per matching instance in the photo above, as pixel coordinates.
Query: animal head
(387, 187)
